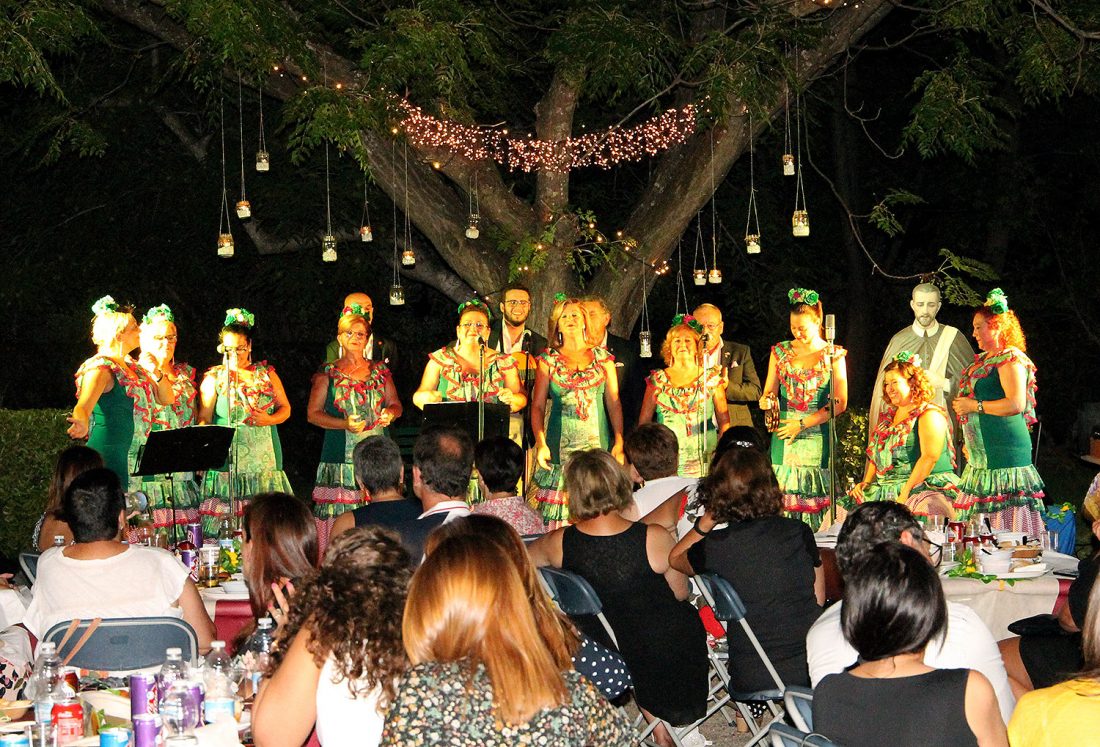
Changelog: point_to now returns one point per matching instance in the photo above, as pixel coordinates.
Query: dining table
(230, 610)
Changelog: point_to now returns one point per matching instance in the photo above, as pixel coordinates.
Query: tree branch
(554, 123)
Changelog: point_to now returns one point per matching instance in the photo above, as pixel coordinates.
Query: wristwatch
(981, 407)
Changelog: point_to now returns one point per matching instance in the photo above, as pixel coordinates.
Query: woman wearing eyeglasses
(250, 398)
(351, 398)
(452, 372)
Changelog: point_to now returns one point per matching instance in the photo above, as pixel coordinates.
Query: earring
(561, 339)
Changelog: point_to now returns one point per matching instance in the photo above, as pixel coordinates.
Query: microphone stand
(480, 389)
(525, 417)
(702, 437)
(830, 354)
(231, 396)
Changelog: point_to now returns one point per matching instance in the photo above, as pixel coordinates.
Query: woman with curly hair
(803, 374)
(771, 560)
(338, 657)
(996, 406)
(910, 459)
(688, 399)
(483, 670)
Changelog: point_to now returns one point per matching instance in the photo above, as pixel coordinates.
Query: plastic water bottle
(171, 671)
(180, 711)
(258, 651)
(220, 702)
(44, 682)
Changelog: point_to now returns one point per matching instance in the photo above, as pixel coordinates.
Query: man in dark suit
(631, 378)
(743, 385)
(512, 337)
(378, 348)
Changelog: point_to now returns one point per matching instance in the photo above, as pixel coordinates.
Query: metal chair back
(800, 706)
(782, 735)
(124, 643)
(28, 561)
(575, 596)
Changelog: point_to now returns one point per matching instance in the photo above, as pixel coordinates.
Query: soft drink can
(68, 717)
(190, 559)
(15, 740)
(72, 679)
(143, 694)
(194, 533)
(114, 737)
(146, 729)
(197, 694)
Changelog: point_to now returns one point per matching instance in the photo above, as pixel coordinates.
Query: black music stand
(190, 449)
(464, 415)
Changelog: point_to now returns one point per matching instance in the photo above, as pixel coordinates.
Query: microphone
(830, 331)
(481, 341)
(705, 340)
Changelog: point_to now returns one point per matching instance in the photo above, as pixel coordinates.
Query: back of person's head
(70, 463)
(352, 607)
(557, 632)
(377, 463)
(282, 543)
(467, 603)
(653, 450)
(500, 462)
(92, 504)
(893, 603)
(870, 524)
(737, 437)
(596, 484)
(444, 455)
(742, 486)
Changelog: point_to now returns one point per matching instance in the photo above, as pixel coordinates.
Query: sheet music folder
(190, 449)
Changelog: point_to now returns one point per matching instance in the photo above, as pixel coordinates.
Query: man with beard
(512, 337)
(944, 352)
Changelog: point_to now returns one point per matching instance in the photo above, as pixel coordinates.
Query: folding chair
(782, 735)
(28, 561)
(122, 643)
(800, 706)
(728, 607)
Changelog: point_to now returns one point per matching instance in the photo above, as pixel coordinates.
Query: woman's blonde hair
(596, 484)
(467, 603)
(677, 331)
(109, 326)
(555, 315)
(347, 321)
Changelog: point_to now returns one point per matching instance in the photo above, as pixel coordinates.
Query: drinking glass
(208, 566)
(41, 735)
(180, 711)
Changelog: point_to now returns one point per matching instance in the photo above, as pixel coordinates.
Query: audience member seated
(443, 458)
(660, 634)
(70, 463)
(1067, 713)
(500, 463)
(338, 657)
(380, 474)
(968, 644)
(893, 608)
(602, 666)
(1051, 652)
(100, 576)
(280, 548)
(484, 672)
(652, 456)
(772, 562)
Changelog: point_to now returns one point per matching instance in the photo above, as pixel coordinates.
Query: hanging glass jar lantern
(715, 276)
(263, 160)
(244, 209)
(752, 243)
(397, 295)
(225, 245)
(645, 340)
(788, 164)
(800, 223)
(328, 248)
(365, 234)
(700, 276)
(472, 231)
(408, 258)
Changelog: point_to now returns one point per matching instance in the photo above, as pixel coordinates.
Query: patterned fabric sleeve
(409, 719)
(606, 724)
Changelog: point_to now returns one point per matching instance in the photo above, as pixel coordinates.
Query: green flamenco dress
(802, 465)
(335, 491)
(894, 450)
(256, 454)
(577, 421)
(679, 409)
(122, 418)
(181, 492)
(1000, 477)
(457, 386)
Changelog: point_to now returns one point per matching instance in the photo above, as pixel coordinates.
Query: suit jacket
(385, 350)
(631, 379)
(743, 385)
(536, 342)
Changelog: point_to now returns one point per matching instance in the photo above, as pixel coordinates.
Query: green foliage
(851, 434)
(957, 112)
(955, 289)
(32, 30)
(882, 214)
(30, 441)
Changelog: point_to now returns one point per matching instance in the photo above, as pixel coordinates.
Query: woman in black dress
(771, 560)
(660, 634)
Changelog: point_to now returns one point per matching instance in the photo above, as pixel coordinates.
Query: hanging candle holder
(752, 243)
(800, 223)
(752, 219)
(645, 337)
(788, 164)
(397, 295)
(328, 248)
(645, 340)
(244, 209)
(800, 219)
(714, 277)
(472, 231)
(365, 234)
(408, 258)
(225, 245)
(700, 276)
(788, 151)
(263, 158)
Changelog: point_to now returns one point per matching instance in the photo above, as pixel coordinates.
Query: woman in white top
(338, 657)
(101, 576)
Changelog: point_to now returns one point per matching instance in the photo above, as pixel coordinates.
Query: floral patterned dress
(895, 449)
(689, 412)
(256, 454)
(452, 704)
(457, 386)
(577, 420)
(335, 490)
(802, 465)
(1000, 477)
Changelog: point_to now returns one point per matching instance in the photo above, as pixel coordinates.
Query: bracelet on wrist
(981, 407)
(695, 526)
